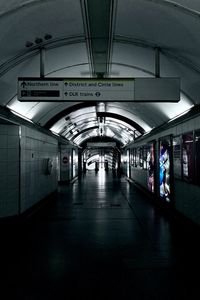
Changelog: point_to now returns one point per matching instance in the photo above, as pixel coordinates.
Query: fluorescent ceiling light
(21, 116)
(148, 131)
(54, 132)
(180, 115)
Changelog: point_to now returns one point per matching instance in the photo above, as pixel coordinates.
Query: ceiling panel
(138, 58)
(153, 22)
(67, 59)
(34, 19)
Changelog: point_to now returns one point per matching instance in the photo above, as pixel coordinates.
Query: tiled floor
(100, 239)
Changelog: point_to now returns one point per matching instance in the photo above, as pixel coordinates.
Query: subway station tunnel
(99, 149)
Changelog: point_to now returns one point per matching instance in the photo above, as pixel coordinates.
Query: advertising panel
(188, 157)
(164, 168)
(177, 156)
(145, 157)
(151, 167)
(137, 157)
(197, 156)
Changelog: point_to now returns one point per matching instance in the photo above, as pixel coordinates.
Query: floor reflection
(99, 233)
(102, 177)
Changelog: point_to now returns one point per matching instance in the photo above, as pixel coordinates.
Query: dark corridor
(99, 239)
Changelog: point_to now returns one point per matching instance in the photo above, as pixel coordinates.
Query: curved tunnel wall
(185, 187)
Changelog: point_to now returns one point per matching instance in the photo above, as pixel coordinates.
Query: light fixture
(38, 40)
(21, 116)
(29, 44)
(180, 115)
(48, 36)
(148, 131)
(54, 132)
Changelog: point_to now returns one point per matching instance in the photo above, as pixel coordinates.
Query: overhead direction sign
(99, 90)
(157, 89)
(37, 89)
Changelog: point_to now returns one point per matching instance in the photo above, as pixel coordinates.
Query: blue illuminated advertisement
(164, 169)
(151, 167)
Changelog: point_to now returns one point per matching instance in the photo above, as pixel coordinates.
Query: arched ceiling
(91, 121)
(86, 38)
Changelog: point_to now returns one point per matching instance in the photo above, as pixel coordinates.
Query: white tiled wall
(36, 148)
(23, 162)
(9, 170)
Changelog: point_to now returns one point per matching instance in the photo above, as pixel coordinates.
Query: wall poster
(188, 157)
(165, 168)
(177, 157)
(197, 157)
(151, 167)
(134, 157)
(145, 157)
(137, 157)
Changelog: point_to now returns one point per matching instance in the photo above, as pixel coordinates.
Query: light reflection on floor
(102, 176)
(99, 236)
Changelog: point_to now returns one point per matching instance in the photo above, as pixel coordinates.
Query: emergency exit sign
(100, 90)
